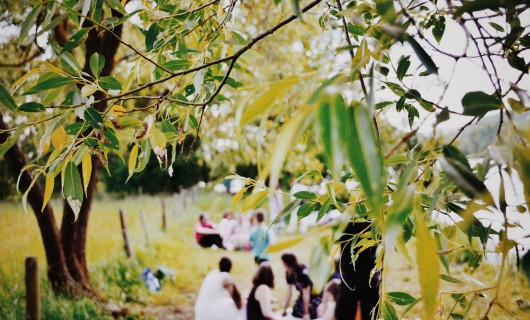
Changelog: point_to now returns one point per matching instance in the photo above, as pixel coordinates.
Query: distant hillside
(477, 137)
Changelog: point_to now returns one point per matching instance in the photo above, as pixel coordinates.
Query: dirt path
(162, 312)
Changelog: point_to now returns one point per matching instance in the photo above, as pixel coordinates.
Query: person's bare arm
(306, 297)
(231, 287)
(287, 299)
(263, 296)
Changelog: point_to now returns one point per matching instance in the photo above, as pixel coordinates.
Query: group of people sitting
(244, 233)
(347, 288)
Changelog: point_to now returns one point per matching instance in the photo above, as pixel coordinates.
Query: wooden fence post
(126, 238)
(164, 224)
(33, 308)
(144, 225)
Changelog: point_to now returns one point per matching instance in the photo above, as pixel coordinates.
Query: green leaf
(7, 100)
(448, 278)
(386, 9)
(52, 83)
(330, 115)
(439, 28)
(496, 26)
(442, 116)
(109, 83)
(478, 103)
(365, 154)
(28, 22)
(144, 156)
(403, 67)
(113, 141)
(176, 65)
(97, 62)
(31, 107)
(75, 40)
(96, 16)
(72, 187)
(74, 128)
(305, 195)
(295, 4)
(452, 152)
(470, 184)
(254, 200)
(400, 298)
(427, 61)
(93, 118)
(150, 37)
(356, 30)
(230, 81)
(388, 312)
(324, 209)
(396, 88)
(306, 209)
(287, 210)
(70, 63)
(428, 268)
(239, 39)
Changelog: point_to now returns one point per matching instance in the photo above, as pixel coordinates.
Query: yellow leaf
(237, 196)
(58, 137)
(86, 167)
(52, 68)
(45, 147)
(48, 189)
(284, 143)
(157, 138)
(253, 200)
(118, 110)
(267, 99)
(24, 77)
(88, 89)
(362, 56)
(282, 245)
(428, 268)
(133, 157)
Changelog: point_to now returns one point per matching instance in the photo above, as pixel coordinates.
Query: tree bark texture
(76, 232)
(57, 271)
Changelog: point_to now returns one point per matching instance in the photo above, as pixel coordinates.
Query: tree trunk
(58, 274)
(75, 234)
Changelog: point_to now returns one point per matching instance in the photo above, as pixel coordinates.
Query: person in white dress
(219, 298)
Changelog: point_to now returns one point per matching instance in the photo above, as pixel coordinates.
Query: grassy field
(119, 280)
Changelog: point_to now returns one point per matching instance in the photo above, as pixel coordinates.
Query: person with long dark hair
(297, 276)
(259, 299)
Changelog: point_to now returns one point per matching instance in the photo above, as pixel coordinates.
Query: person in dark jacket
(356, 285)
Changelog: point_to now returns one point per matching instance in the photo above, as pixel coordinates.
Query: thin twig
(401, 142)
(187, 12)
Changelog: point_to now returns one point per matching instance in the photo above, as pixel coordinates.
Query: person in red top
(206, 234)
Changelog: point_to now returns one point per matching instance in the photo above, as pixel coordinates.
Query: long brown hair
(264, 275)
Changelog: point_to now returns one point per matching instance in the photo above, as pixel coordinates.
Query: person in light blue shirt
(260, 238)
